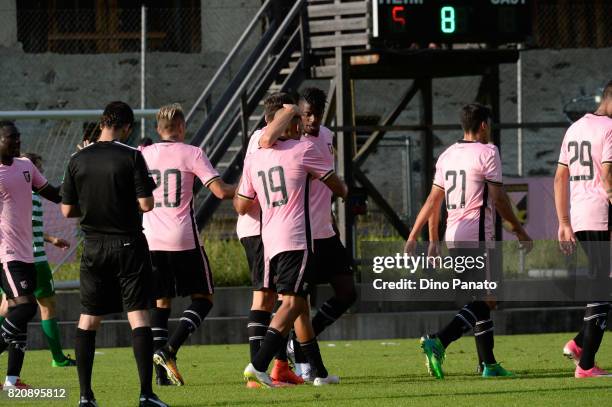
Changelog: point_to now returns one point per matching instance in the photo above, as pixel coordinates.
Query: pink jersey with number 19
(463, 171)
(171, 226)
(279, 178)
(320, 195)
(17, 181)
(587, 145)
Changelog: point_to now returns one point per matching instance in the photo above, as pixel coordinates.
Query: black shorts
(181, 273)
(253, 247)
(18, 279)
(330, 258)
(596, 246)
(291, 272)
(115, 274)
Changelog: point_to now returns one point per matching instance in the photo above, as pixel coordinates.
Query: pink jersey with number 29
(587, 145)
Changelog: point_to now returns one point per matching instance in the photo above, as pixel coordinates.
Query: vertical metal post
(409, 191)
(143, 50)
(519, 112)
(427, 140)
(244, 123)
(345, 147)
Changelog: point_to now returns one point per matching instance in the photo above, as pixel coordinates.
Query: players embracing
(279, 179)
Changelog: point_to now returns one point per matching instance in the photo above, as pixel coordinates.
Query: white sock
(11, 380)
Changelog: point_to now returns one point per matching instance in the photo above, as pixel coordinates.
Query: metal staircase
(299, 42)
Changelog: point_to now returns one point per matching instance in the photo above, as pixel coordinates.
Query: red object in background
(395, 15)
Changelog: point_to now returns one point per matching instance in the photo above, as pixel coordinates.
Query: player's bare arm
(50, 193)
(70, 211)
(56, 241)
(337, 186)
(606, 179)
(432, 204)
(276, 128)
(222, 190)
(504, 208)
(565, 234)
(146, 204)
(243, 204)
(434, 239)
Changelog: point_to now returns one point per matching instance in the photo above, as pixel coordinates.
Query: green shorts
(44, 281)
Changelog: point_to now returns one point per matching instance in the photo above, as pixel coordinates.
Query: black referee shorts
(254, 249)
(115, 274)
(181, 273)
(18, 279)
(331, 258)
(292, 272)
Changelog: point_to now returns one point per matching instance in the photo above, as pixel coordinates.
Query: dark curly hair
(316, 98)
(116, 115)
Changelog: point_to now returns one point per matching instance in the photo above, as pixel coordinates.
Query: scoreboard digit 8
(451, 21)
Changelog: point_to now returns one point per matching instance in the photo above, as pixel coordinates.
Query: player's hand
(60, 243)
(410, 247)
(294, 108)
(525, 241)
(433, 250)
(567, 239)
(83, 144)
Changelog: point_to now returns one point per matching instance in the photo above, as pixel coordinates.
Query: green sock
(52, 333)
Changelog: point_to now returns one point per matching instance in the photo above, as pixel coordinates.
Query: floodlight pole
(143, 49)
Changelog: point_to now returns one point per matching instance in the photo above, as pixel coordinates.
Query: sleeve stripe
(606, 162)
(327, 175)
(41, 188)
(210, 181)
(438, 186)
(248, 198)
(564, 165)
(494, 182)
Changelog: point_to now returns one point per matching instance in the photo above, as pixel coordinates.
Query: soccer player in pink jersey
(180, 264)
(18, 178)
(280, 178)
(469, 176)
(248, 229)
(585, 164)
(332, 261)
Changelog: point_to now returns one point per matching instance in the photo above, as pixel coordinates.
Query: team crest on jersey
(26, 175)
(331, 148)
(24, 284)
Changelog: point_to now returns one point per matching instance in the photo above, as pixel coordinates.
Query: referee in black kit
(107, 185)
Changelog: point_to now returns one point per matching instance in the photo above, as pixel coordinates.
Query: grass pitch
(373, 373)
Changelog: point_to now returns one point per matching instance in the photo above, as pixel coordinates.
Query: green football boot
(434, 356)
(67, 362)
(495, 370)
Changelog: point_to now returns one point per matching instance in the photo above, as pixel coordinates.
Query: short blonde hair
(169, 116)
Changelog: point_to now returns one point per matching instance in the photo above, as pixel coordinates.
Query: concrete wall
(8, 22)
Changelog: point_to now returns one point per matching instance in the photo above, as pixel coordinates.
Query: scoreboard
(451, 21)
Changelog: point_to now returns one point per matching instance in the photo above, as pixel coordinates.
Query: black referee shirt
(104, 180)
